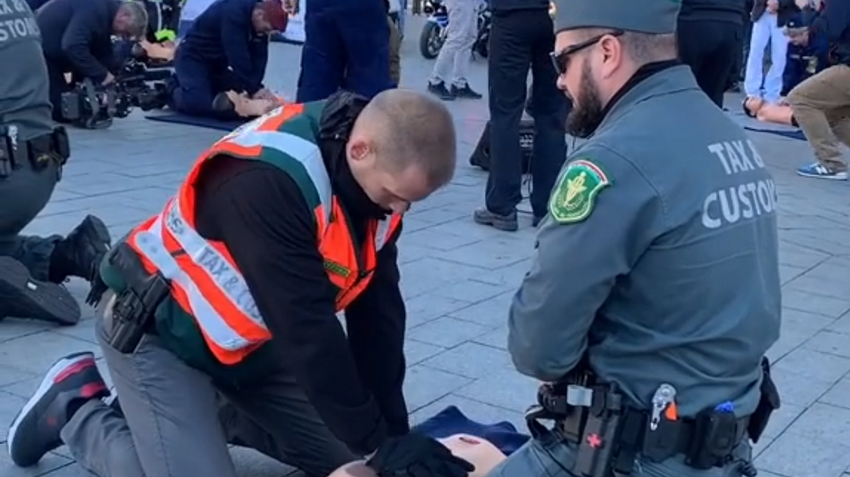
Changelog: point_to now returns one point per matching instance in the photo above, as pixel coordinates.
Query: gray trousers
(176, 423)
(549, 458)
(455, 56)
(23, 195)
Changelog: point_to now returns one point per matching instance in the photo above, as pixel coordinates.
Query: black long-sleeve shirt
(77, 35)
(834, 23)
(223, 37)
(263, 219)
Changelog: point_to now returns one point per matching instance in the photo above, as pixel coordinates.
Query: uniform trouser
(452, 63)
(821, 106)
(550, 458)
(27, 192)
(58, 84)
(710, 48)
(519, 39)
(196, 88)
(176, 423)
(346, 47)
(766, 31)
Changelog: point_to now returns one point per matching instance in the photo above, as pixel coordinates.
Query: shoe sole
(54, 371)
(816, 176)
(53, 302)
(497, 224)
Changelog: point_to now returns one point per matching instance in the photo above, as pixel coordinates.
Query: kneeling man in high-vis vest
(234, 289)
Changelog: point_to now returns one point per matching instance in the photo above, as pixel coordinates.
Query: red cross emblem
(594, 441)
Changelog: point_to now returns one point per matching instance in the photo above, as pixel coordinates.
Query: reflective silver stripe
(228, 280)
(151, 245)
(302, 150)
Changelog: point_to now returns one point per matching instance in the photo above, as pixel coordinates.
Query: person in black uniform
(32, 153)
(226, 49)
(522, 36)
(77, 39)
(710, 37)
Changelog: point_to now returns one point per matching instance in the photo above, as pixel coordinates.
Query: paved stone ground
(458, 279)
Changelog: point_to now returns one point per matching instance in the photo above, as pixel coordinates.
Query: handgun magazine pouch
(768, 402)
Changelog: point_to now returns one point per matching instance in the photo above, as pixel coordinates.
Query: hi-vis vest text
(206, 282)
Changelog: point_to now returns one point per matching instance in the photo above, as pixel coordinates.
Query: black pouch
(61, 144)
(713, 438)
(768, 402)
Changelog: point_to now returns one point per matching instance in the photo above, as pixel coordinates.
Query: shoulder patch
(575, 193)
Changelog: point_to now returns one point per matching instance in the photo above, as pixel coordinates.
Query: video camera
(139, 84)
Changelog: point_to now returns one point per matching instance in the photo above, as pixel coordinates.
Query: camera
(137, 84)
(93, 107)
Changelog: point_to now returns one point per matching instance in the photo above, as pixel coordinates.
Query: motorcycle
(434, 32)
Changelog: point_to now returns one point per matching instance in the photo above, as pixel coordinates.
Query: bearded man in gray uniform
(32, 153)
(655, 289)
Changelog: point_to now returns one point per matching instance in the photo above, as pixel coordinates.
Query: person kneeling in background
(821, 103)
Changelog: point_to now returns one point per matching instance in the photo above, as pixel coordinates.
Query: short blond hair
(414, 130)
(138, 17)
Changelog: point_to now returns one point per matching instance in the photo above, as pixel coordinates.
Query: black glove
(416, 455)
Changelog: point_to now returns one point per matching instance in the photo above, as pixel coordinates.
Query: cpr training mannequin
(771, 113)
(480, 453)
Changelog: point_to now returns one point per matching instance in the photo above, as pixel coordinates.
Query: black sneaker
(508, 223)
(222, 104)
(71, 381)
(465, 92)
(22, 296)
(439, 90)
(80, 253)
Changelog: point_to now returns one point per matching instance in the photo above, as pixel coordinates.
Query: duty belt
(39, 151)
(610, 436)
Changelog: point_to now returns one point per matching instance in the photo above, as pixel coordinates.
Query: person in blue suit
(808, 52)
(347, 47)
(225, 50)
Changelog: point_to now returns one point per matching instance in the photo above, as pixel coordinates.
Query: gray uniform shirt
(659, 258)
(24, 97)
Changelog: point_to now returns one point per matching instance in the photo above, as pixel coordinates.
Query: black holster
(768, 402)
(134, 308)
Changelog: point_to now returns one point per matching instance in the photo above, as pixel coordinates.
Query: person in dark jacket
(808, 52)
(347, 47)
(77, 39)
(226, 50)
(769, 18)
(709, 39)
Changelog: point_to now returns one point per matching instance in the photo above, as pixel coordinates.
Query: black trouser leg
(709, 48)
(58, 85)
(550, 113)
(510, 57)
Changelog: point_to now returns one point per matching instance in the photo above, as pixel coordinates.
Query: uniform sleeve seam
(647, 180)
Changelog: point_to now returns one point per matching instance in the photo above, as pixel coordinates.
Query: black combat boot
(69, 383)
(22, 296)
(80, 253)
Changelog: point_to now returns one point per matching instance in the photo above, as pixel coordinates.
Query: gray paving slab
(458, 279)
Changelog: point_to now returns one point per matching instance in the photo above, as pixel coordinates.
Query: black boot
(68, 384)
(22, 296)
(222, 104)
(80, 253)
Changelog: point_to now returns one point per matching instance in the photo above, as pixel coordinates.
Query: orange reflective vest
(206, 282)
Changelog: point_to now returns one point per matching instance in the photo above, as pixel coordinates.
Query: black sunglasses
(561, 59)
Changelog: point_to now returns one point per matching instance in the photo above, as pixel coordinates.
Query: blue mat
(797, 134)
(209, 123)
(452, 421)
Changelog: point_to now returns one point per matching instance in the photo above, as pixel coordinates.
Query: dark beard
(587, 113)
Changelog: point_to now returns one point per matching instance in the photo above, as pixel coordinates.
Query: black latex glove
(416, 455)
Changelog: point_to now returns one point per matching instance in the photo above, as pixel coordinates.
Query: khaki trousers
(821, 106)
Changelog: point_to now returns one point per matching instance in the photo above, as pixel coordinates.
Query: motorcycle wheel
(430, 41)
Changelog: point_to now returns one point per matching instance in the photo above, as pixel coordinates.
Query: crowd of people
(217, 317)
